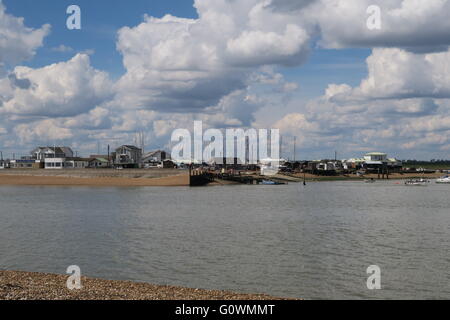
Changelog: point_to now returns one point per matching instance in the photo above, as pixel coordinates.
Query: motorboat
(271, 183)
(417, 182)
(443, 180)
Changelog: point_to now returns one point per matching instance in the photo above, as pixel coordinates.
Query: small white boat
(444, 180)
(271, 183)
(417, 182)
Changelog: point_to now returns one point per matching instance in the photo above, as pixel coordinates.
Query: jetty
(199, 177)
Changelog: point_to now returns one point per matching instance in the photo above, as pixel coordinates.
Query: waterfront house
(25, 163)
(42, 153)
(128, 157)
(98, 162)
(54, 163)
(154, 159)
(353, 163)
(76, 163)
(157, 156)
(324, 167)
(66, 163)
(374, 162)
(378, 161)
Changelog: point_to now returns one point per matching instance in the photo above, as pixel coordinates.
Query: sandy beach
(149, 178)
(100, 178)
(40, 286)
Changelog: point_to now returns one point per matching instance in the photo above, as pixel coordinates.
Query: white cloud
(420, 126)
(186, 65)
(18, 42)
(417, 25)
(62, 89)
(396, 73)
(46, 130)
(62, 48)
(263, 48)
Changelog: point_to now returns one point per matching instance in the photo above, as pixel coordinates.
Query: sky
(311, 68)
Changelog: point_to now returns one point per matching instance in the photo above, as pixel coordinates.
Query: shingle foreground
(39, 286)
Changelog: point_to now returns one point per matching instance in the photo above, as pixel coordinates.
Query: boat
(444, 180)
(271, 183)
(417, 182)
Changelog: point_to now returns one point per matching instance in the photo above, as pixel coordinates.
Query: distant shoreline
(15, 285)
(100, 178)
(393, 176)
(153, 178)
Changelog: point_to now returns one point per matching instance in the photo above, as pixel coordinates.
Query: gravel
(40, 286)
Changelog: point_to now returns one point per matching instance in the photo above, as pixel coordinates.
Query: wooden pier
(198, 177)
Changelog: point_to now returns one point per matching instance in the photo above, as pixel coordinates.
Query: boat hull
(443, 180)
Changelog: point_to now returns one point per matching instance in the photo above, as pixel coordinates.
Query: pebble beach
(95, 178)
(41, 286)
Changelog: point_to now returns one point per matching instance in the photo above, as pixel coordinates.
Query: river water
(313, 242)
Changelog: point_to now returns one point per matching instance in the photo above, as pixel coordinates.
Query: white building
(55, 163)
(377, 157)
(66, 163)
(373, 161)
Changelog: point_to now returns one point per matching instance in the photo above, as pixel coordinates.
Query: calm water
(314, 242)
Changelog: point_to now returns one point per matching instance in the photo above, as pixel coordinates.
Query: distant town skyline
(311, 68)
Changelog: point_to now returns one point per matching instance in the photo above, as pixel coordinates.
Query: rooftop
(376, 154)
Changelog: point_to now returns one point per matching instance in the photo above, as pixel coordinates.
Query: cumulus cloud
(290, 5)
(397, 126)
(44, 130)
(396, 73)
(18, 42)
(62, 49)
(419, 26)
(62, 89)
(176, 65)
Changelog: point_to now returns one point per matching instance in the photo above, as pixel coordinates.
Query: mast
(295, 147)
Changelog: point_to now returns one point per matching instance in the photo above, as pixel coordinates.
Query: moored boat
(417, 182)
(271, 183)
(443, 180)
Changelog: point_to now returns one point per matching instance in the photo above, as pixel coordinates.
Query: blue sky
(101, 19)
(311, 68)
